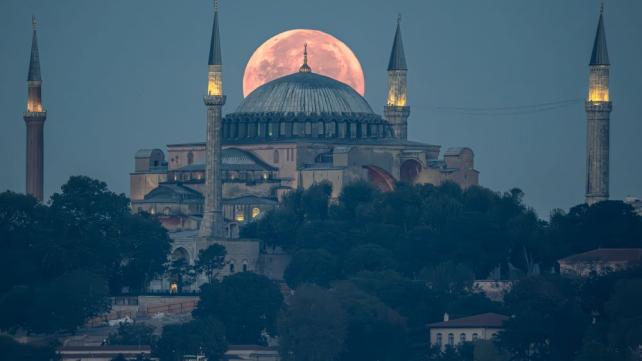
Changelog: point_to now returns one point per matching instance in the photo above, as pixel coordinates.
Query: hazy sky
(120, 75)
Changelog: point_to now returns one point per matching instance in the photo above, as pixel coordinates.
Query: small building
(600, 261)
(453, 333)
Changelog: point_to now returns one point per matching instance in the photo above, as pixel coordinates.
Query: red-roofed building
(600, 261)
(452, 333)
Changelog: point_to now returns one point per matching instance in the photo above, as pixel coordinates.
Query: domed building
(290, 133)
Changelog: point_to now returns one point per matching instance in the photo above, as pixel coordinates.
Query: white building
(600, 261)
(453, 333)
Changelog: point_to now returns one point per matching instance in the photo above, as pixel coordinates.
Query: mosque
(290, 133)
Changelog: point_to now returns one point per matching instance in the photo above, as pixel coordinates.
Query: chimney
(446, 317)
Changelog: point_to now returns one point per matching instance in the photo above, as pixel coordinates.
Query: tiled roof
(606, 255)
(488, 320)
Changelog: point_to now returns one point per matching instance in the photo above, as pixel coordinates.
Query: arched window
(451, 339)
(166, 211)
(276, 156)
(438, 339)
(231, 267)
(190, 157)
(255, 212)
(475, 336)
(244, 266)
(462, 337)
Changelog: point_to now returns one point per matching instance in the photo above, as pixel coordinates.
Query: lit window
(255, 212)
(173, 287)
(240, 217)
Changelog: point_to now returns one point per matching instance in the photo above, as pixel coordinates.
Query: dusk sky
(121, 75)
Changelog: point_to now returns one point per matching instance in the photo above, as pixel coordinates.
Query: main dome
(303, 105)
(304, 93)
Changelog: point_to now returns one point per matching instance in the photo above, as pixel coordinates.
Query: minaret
(34, 117)
(212, 224)
(396, 110)
(598, 110)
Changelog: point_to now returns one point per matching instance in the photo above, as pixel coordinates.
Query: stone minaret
(598, 110)
(212, 224)
(34, 117)
(396, 110)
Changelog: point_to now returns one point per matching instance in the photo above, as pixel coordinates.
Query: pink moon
(282, 55)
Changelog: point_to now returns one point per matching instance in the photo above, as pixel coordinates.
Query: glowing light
(255, 212)
(283, 54)
(599, 84)
(240, 217)
(173, 287)
(215, 81)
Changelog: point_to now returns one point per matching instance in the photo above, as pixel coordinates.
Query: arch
(409, 171)
(380, 178)
(180, 254)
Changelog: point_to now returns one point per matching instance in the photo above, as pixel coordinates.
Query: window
(255, 212)
(232, 267)
(167, 211)
(475, 336)
(438, 339)
(190, 157)
(244, 266)
(462, 337)
(276, 156)
(451, 339)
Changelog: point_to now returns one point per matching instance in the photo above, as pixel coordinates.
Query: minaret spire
(598, 111)
(305, 68)
(397, 110)
(212, 225)
(34, 118)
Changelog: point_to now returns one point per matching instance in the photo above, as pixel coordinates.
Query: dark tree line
(61, 260)
(386, 264)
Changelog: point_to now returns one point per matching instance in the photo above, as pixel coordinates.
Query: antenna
(34, 22)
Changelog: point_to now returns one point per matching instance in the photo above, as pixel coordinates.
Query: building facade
(290, 133)
(452, 333)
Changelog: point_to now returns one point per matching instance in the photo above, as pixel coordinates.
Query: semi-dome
(307, 93)
(303, 105)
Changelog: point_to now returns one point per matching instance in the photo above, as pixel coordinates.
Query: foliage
(132, 334)
(313, 327)
(12, 350)
(66, 257)
(449, 277)
(206, 335)
(246, 303)
(311, 266)
(211, 260)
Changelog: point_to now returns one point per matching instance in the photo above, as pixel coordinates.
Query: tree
(625, 316)
(211, 260)
(12, 350)
(132, 334)
(246, 303)
(311, 266)
(548, 322)
(374, 330)
(449, 277)
(487, 350)
(205, 335)
(313, 327)
(368, 257)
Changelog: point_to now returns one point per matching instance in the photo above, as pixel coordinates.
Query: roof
(215, 44)
(484, 320)
(606, 255)
(146, 153)
(34, 60)
(397, 55)
(600, 55)
(304, 93)
(233, 159)
(455, 151)
(250, 200)
(173, 193)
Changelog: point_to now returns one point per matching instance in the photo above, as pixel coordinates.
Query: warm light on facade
(34, 106)
(599, 84)
(397, 88)
(240, 217)
(173, 287)
(255, 212)
(215, 81)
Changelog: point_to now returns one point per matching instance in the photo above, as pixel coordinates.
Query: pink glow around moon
(282, 54)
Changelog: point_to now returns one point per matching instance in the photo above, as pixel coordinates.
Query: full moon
(282, 55)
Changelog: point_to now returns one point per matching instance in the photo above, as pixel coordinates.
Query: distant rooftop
(606, 255)
(485, 320)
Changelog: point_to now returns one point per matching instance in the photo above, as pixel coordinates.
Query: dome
(303, 105)
(304, 93)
